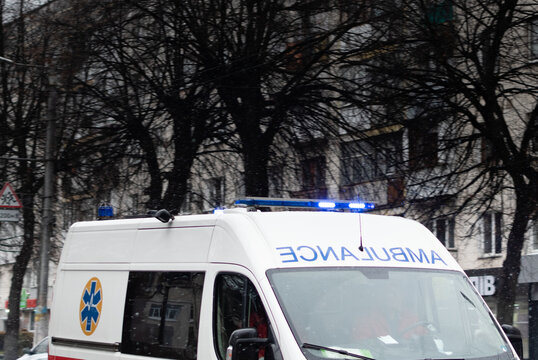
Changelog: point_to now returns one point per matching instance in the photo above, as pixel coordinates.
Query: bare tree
(270, 64)
(143, 87)
(462, 70)
(23, 93)
(36, 45)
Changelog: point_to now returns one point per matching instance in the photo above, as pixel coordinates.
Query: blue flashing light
(355, 205)
(326, 205)
(306, 203)
(105, 211)
(218, 211)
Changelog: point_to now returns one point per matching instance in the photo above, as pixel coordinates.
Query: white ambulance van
(248, 285)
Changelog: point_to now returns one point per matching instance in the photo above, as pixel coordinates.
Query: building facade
(402, 164)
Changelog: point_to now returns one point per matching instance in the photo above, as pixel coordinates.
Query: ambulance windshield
(387, 314)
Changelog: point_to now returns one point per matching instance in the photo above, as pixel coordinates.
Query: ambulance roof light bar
(306, 203)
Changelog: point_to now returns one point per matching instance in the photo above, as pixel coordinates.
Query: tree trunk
(248, 115)
(255, 159)
(186, 142)
(176, 190)
(11, 350)
(512, 263)
(155, 188)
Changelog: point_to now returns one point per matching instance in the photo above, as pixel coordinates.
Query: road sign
(8, 198)
(9, 214)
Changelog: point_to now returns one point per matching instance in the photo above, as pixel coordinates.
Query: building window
(237, 305)
(534, 236)
(369, 10)
(155, 311)
(533, 138)
(423, 148)
(216, 192)
(395, 191)
(486, 47)
(440, 12)
(534, 145)
(150, 331)
(443, 229)
(276, 183)
(358, 164)
(294, 57)
(492, 232)
(533, 39)
(313, 177)
(372, 159)
(172, 311)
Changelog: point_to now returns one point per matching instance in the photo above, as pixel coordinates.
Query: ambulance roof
(265, 240)
(305, 239)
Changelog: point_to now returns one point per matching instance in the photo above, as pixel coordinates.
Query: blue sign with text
(290, 254)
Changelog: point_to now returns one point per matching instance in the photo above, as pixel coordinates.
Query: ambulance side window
(162, 313)
(237, 305)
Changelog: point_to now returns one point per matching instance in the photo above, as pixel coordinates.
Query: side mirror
(514, 335)
(244, 344)
(27, 351)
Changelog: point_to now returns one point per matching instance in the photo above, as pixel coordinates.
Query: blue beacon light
(357, 205)
(326, 205)
(306, 203)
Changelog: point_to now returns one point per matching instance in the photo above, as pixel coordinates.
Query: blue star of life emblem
(90, 306)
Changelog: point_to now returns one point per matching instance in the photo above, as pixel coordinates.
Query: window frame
(250, 284)
(440, 12)
(492, 233)
(446, 226)
(217, 191)
(313, 173)
(534, 236)
(533, 40)
(371, 159)
(423, 150)
(147, 306)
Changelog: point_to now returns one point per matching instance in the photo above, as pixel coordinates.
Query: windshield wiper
(339, 351)
(466, 298)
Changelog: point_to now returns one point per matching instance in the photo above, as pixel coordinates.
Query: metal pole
(41, 313)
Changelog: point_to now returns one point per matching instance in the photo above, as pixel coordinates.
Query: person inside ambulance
(238, 306)
(390, 318)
